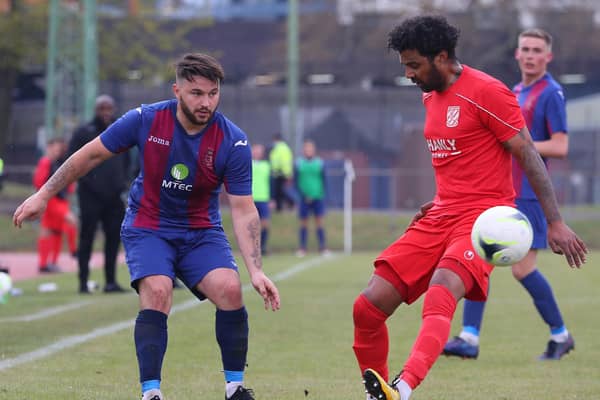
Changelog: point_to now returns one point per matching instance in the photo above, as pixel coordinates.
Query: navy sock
(150, 335)
(473, 315)
(543, 298)
(231, 328)
(321, 237)
(303, 237)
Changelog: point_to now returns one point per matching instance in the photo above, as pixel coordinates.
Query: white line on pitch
(110, 329)
(46, 313)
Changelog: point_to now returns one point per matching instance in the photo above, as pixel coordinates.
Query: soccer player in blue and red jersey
(473, 126)
(543, 106)
(172, 227)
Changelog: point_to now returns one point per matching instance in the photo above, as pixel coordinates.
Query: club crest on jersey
(209, 158)
(452, 115)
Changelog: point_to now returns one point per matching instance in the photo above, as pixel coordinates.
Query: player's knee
(365, 314)
(231, 292)
(156, 293)
(521, 270)
(439, 302)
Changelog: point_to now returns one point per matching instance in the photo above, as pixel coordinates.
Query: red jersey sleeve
(499, 111)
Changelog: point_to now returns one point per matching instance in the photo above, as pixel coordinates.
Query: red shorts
(55, 214)
(435, 241)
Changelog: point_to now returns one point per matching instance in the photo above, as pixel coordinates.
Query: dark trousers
(281, 193)
(110, 214)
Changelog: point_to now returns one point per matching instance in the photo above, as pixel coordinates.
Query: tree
(126, 44)
(22, 43)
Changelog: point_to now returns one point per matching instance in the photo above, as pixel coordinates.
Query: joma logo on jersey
(179, 172)
(452, 115)
(158, 140)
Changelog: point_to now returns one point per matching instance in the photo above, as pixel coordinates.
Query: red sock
(56, 246)
(438, 310)
(371, 341)
(44, 248)
(70, 231)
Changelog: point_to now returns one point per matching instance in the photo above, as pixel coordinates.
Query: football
(5, 286)
(502, 235)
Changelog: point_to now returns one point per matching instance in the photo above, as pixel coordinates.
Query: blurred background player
(99, 195)
(543, 105)
(473, 125)
(1, 173)
(309, 177)
(261, 192)
(57, 218)
(282, 169)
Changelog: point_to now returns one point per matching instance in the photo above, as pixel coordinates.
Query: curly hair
(428, 34)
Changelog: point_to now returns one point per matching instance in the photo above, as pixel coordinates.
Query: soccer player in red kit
(472, 127)
(57, 218)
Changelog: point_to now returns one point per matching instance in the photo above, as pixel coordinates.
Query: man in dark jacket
(99, 193)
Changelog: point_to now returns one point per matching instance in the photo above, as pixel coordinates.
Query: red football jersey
(464, 128)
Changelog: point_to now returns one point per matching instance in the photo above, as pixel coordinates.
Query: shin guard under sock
(371, 340)
(438, 310)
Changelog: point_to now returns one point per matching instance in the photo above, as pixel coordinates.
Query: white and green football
(502, 235)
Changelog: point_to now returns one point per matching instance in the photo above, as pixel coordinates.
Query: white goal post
(349, 177)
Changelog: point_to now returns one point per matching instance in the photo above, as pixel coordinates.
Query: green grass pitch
(61, 345)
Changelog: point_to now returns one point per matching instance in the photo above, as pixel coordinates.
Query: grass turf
(303, 348)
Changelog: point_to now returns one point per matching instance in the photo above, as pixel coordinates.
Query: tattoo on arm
(254, 231)
(538, 177)
(66, 174)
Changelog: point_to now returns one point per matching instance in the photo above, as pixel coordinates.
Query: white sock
(404, 390)
(560, 337)
(468, 337)
(231, 387)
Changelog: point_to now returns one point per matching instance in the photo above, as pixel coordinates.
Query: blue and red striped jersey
(180, 175)
(543, 107)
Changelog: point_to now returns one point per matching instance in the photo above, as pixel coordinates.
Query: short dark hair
(191, 65)
(538, 33)
(428, 34)
(56, 139)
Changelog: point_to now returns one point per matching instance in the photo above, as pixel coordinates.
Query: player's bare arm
(522, 148)
(561, 238)
(79, 164)
(555, 147)
(246, 227)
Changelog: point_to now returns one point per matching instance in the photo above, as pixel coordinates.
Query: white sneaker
(300, 253)
(326, 253)
(153, 394)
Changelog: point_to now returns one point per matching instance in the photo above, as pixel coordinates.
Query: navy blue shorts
(263, 209)
(186, 254)
(533, 210)
(316, 207)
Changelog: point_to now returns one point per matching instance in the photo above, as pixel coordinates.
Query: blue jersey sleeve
(556, 115)
(238, 170)
(122, 134)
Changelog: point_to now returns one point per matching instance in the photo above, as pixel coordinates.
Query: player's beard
(435, 80)
(192, 117)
